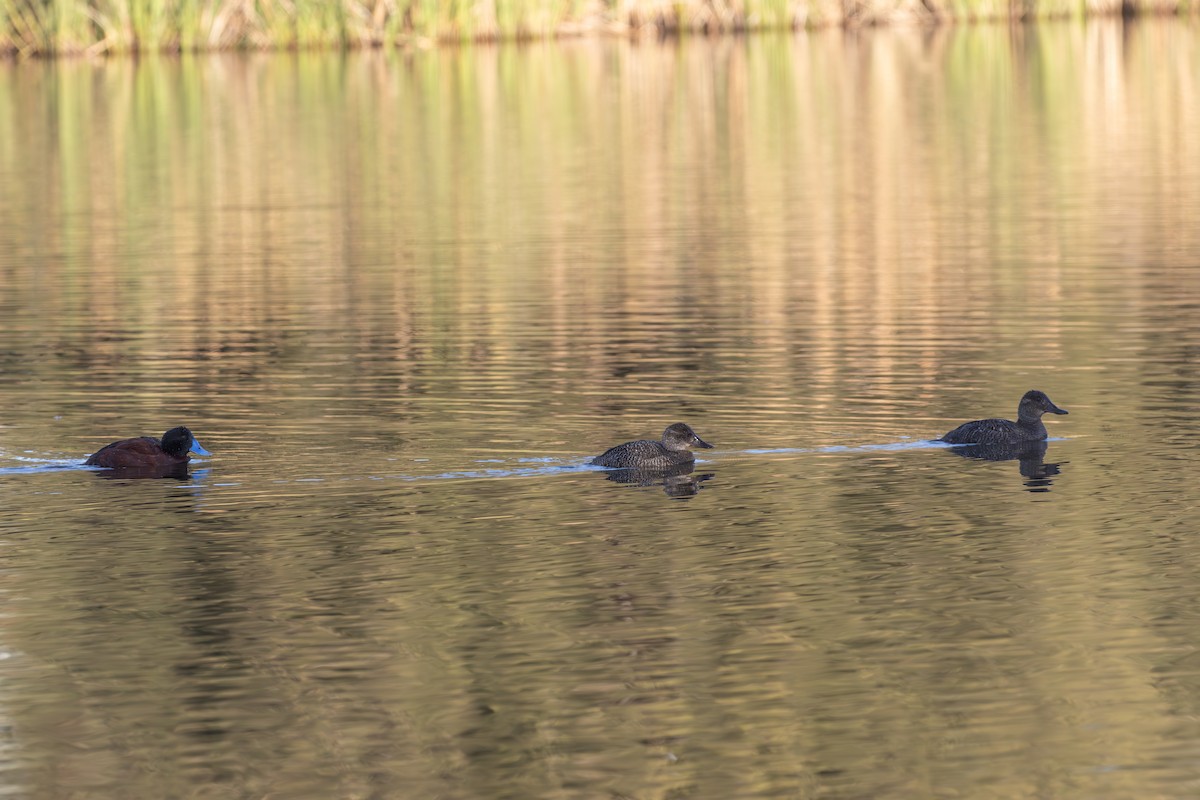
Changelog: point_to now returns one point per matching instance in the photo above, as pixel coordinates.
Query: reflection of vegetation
(67, 26)
(415, 211)
(330, 262)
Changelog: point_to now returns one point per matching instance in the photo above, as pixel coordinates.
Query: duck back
(643, 454)
(144, 451)
(994, 431)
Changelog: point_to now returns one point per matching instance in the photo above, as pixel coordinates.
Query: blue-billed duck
(148, 452)
(674, 449)
(1027, 428)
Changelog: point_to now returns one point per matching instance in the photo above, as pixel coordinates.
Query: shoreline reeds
(90, 27)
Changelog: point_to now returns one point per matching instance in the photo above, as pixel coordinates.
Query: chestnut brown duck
(147, 452)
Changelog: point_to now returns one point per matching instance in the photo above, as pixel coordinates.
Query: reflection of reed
(376, 257)
(824, 217)
(94, 26)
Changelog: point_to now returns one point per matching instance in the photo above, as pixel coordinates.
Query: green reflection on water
(345, 272)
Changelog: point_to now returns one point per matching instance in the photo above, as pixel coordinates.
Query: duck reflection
(677, 481)
(178, 472)
(1031, 455)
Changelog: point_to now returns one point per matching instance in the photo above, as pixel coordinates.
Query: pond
(403, 298)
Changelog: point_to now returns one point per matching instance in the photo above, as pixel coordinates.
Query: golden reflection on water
(880, 182)
(350, 275)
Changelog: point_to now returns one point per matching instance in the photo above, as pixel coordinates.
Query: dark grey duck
(674, 449)
(1027, 428)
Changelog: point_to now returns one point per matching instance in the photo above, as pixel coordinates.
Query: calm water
(402, 298)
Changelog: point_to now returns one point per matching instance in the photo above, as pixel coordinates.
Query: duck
(1028, 427)
(147, 452)
(673, 449)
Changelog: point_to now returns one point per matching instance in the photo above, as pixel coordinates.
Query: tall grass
(46, 27)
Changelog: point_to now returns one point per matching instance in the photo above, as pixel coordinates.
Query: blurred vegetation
(434, 202)
(538, 248)
(47, 27)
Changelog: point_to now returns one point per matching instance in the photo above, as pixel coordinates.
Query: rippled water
(404, 298)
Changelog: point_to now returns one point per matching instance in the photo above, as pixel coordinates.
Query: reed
(48, 27)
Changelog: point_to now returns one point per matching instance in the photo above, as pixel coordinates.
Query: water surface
(403, 298)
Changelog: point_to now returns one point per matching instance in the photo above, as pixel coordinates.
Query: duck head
(179, 442)
(681, 437)
(1036, 403)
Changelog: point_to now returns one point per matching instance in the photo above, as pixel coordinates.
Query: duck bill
(701, 443)
(1056, 410)
(197, 448)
